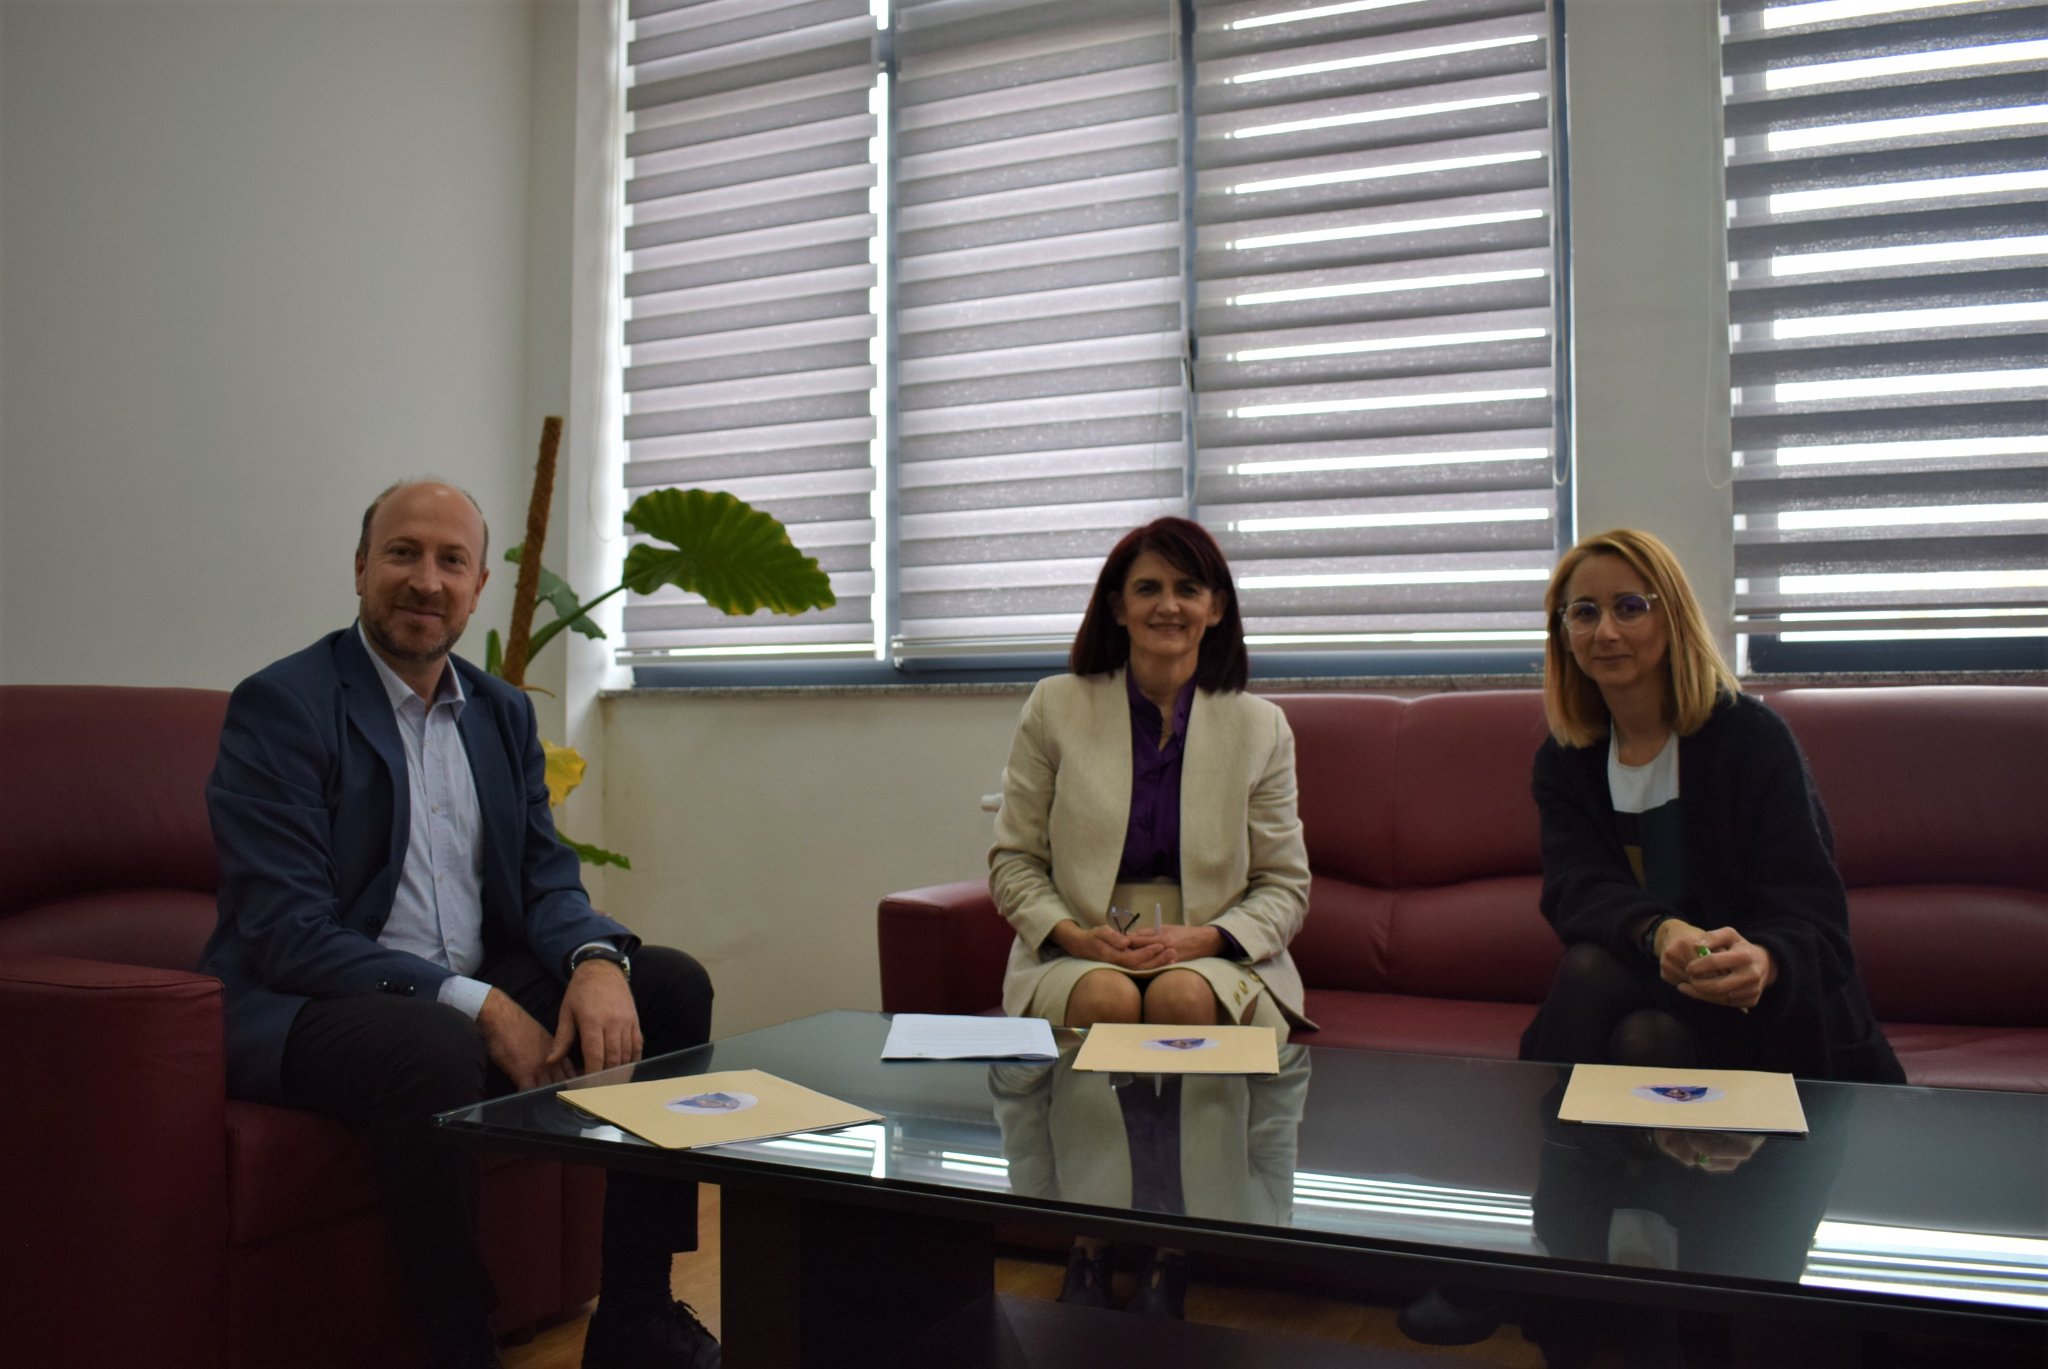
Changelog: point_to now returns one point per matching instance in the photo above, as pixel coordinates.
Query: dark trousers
(389, 1064)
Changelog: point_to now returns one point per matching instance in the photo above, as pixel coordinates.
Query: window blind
(1038, 309)
(750, 333)
(1376, 317)
(1887, 238)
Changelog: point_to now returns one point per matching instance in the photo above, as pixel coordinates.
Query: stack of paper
(930, 1036)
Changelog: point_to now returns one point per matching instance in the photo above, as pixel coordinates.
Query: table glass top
(1908, 1193)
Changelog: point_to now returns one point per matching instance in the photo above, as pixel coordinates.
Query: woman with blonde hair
(1687, 863)
(1689, 871)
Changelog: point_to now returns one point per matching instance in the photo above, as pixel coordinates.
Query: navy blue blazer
(311, 809)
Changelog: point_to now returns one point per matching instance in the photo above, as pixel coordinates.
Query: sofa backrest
(1939, 800)
(1422, 839)
(105, 852)
(1422, 836)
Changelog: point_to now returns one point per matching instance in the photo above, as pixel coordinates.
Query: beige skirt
(1237, 987)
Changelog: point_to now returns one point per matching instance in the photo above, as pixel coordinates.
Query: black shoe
(1088, 1274)
(1451, 1315)
(664, 1336)
(1162, 1287)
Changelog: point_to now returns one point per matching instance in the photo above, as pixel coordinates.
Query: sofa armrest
(943, 949)
(115, 1148)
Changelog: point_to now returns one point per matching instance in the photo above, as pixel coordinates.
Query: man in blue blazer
(402, 933)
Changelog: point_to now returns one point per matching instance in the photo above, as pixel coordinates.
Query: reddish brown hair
(1103, 644)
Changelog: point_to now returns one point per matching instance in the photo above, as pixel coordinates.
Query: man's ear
(361, 561)
(483, 577)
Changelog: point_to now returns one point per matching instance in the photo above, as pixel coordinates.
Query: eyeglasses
(1581, 616)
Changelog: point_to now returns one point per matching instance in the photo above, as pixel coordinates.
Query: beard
(378, 628)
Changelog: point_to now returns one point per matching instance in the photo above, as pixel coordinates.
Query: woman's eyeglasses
(1581, 616)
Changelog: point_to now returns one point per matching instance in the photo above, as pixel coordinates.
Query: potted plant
(707, 542)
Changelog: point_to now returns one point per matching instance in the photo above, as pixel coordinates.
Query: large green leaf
(593, 855)
(739, 558)
(559, 596)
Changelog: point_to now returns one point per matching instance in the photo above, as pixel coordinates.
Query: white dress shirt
(437, 913)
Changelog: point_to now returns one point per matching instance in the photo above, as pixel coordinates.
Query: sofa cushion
(1954, 953)
(161, 928)
(1480, 939)
(1425, 1026)
(288, 1170)
(118, 799)
(1343, 772)
(1972, 1057)
(1928, 784)
(1462, 809)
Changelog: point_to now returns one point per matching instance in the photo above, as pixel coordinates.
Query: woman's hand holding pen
(1112, 947)
(1719, 967)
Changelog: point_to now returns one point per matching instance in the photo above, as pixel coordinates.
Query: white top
(1640, 788)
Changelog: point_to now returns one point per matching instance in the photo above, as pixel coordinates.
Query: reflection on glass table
(1218, 1146)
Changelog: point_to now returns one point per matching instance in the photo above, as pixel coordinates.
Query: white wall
(763, 830)
(1649, 282)
(256, 261)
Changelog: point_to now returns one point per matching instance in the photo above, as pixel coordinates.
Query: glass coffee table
(1908, 1210)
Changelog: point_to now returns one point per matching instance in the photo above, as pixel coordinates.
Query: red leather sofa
(1423, 932)
(149, 1219)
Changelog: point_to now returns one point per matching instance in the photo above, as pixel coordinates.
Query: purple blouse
(1152, 834)
(1152, 838)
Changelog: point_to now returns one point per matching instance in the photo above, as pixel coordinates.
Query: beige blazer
(1067, 804)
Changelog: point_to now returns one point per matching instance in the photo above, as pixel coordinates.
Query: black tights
(1600, 1012)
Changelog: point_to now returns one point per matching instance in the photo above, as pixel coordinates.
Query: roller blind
(1039, 334)
(1888, 270)
(750, 331)
(963, 292)
(1376, 318)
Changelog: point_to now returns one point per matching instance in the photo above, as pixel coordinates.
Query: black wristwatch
(602, 952)
(1649, 941)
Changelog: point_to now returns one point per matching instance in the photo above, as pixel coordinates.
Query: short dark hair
(483, 553)
(1103, 644)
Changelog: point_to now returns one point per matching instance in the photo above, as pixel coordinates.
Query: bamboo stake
(526, 596)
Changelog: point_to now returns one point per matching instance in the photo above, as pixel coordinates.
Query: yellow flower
(565, 771)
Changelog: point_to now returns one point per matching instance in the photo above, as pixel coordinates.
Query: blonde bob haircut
(1696, 677)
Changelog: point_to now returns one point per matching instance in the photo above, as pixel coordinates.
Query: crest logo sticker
(1677, 1093)
(712, 1102)
(1182, 1043)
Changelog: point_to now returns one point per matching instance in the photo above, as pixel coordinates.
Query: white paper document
(929, 1036)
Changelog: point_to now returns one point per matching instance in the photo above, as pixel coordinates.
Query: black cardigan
(1758, 857)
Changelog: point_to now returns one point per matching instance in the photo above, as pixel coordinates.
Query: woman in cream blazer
(1163, 619)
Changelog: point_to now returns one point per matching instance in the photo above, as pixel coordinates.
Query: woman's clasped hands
(1719, 967)
(1147, 948)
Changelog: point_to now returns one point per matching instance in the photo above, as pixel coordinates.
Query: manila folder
(714, 1109)
(1704, 1100)
(1134, 1048)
